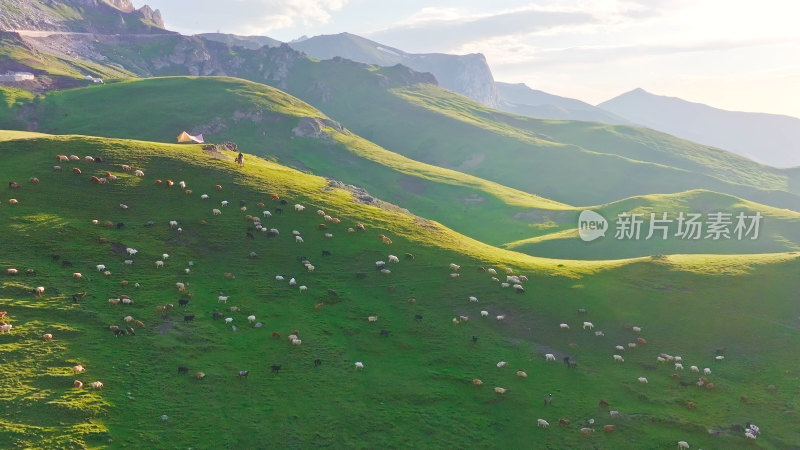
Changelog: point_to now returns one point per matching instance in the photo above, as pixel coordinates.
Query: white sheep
(128, 262)
(613, 413)
(299, 207)
(39, 290)
(642, 380)
(588, 325)
(637, 329)
(6, 328)
(694, 369)
(599, 333)
(228, 320)
(549, 357)
(683, 444)
(267, 213)
(131, 251)
(473, 299)
(139, 173)
(159, 264)
(243, 209)
(499, 390)
(500, 317)
(619, 347)
(492, 271)
(251, 318)
(484, 313)
(101, 267)
(222, 298)
(678, 366)
(216, 212)
(182, 184)
(303, 288)
(504, 285)
(181, 287)
(292, 282)
(126, 301)
(328, 235)
(564, 326)
(455, 267)
(707, 371)
(359, 365)
(278, 277)
(224, 203)
(298, 239)
(618, 358)
(394, 259)
(542, 423)
(173, 223)
(123, 206)
(502, 364)
(372, 318)
(204, 196)
(386, 271)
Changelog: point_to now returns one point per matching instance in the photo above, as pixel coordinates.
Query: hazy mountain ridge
(468, 75)
(518, 98)
(767, 138)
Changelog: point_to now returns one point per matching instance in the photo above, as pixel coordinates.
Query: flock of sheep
(515, 282)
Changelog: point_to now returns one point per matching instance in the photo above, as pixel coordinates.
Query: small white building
(16, 76)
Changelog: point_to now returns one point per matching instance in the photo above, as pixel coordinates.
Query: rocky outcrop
(82, 16)
(314, 127)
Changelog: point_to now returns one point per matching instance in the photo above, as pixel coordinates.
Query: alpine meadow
(362, 247)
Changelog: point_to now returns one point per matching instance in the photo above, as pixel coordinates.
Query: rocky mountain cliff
(82, 16)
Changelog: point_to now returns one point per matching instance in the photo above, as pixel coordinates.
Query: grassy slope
(778, 230)
(604, 163)
(416, 387)
(260, 120)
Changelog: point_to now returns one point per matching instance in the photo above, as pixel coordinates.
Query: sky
(739, 55)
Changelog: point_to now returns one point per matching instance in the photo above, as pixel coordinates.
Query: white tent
(186, 137)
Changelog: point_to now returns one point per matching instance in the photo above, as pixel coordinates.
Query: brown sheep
(76, 171)
(34, 180)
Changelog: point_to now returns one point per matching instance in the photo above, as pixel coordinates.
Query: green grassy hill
(262, 119)
(416, 386)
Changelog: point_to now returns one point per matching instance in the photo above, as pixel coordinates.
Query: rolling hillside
(416, 385)
(270, 123)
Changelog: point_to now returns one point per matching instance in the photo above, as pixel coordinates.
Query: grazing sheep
(299, 207)
(499, 390)
(126, 301)
(77, 384)
(47, 337)
(159, 264)
(298, 239)
(619, 358)
(101, 267)
(455, 267)
(564, 326)
(181, 287)
(303, 288)
(473, 299)
(139, 323)
(504, 285)
(12, 271)
(549, 357)
(173, 223)
(484, 313)
(683, 444)
(491, 271)
(694, 368)
(292, 282)
(707, 371)
(6, 328)
(455, 321)
(394, 259)
(39, 290)
(613, 413)
(599, 333)
(522, 374)
(359, 365)
(719, 357)
(636, 329)
(296, 342)
(542, 423)
(631, 345)
(587, 431)
(243, 209)
(386, 271)
(200, 375)
(588, 325)
(372, 318)
(678, 366)
(139, 173)
(609, 428)
(96, 385)
(228, 320)
(477, 382)
(251, 318)
(642, 380)
(501, 317)
(76, 369)
(502, 364)
(222, 298)
(216, 212)
(113, 301)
